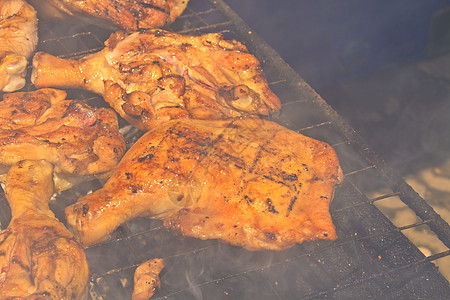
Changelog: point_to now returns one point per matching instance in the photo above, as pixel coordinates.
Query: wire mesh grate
(371, 258)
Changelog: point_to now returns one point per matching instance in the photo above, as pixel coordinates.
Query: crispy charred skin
(126, 14)
(152, 77)
(77, 139)
(18, 36)
(249, 182)
(39, 258)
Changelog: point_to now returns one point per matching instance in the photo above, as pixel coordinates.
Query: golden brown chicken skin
(146, 279)
(130, 15)
(249, 182)
(156, 76)
(18, 40)
(79, 140)
(39, 258)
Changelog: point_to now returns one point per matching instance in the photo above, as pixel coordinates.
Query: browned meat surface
(39, 258)
(18, 40)
(77, 139)
(248, 182)
(131, 15)
(152, 77)
(146, 279)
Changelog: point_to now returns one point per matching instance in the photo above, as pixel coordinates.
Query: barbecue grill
(371, 258)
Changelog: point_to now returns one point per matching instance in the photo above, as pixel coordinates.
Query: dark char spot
(85, 209)
(270, 236)
(149, 156)
(270, 206)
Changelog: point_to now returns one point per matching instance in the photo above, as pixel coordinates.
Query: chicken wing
(77, 139)
(39, 258)
(18, 40)
(130, 15)
(152, 77)
(248, 182)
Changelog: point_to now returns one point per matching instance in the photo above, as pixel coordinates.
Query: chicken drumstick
(39, 258)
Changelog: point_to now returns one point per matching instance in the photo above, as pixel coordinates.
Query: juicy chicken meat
(130, 15)
(146, 279)
(248, 182)
(39, 258)
(18, 40)
(152, 77)
(79, 140)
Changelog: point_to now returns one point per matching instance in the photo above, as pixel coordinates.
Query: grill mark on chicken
(16, 260)
(207, 146)
(148, 5)
(148, 156)
(210, 152)
(261, 150)
(270, 207)
(9, 17)
(291, 205)
(241, 165)
(233, 135)
(290, 177)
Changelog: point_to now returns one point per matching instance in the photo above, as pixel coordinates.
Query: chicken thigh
(18, 40)
(249, 182)
(79, 140)
(130, 15)
(152, 77)
(39, 258)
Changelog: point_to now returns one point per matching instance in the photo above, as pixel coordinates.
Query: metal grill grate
(370, 259)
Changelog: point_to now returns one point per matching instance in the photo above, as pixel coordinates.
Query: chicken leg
(18, 40)
(39, 258)
(249, 182)
(152, 77)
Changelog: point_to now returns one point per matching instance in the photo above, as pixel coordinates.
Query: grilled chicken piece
(152, 77)
(39, 258)
(18, 40)
(249, 182)
(130, 15)
(77, 139)
(146, 279)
